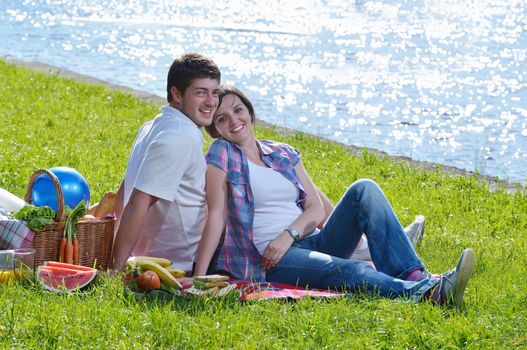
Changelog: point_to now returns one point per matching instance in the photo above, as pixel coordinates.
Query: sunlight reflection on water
(437, 81)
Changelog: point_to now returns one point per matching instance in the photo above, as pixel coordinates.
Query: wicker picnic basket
(95, 236)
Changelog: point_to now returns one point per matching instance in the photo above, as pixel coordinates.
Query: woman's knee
(363, 186)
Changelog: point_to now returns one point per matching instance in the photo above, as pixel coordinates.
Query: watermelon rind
(64, 280)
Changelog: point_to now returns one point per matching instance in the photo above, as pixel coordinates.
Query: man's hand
(274, 252)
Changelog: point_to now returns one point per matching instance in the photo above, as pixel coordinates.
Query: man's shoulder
(175, 131)
(176, 125)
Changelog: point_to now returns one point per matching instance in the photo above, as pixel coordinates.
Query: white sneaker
(362, 254)
(416, 230)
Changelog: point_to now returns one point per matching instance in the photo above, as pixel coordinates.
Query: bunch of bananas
(160, 266)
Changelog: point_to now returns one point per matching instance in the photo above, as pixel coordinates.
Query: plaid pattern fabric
(267, 290)
(15, 234)
(238, 256)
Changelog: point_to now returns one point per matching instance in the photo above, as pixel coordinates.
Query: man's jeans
(322, 260)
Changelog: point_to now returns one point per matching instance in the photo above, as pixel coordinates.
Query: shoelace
(446, 277)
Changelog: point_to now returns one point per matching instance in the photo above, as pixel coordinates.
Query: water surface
(438, 81)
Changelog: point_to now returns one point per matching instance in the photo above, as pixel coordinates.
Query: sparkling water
(438, 81)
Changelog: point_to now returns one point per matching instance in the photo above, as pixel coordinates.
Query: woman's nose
(232, 120)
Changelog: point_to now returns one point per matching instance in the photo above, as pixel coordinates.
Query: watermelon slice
(68, 266)
(58, 279)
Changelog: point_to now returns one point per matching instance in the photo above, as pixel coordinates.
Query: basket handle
(58, 190)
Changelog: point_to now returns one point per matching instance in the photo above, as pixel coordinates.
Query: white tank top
(274, 204)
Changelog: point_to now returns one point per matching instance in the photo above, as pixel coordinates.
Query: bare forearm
(127, 235)
(307, 222)
(208, 244)
(216, 190)
(130, 227)
(328, 207)
(119, 206)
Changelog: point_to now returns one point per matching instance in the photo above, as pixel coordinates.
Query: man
(162, 197)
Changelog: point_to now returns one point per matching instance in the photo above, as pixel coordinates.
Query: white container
(9, 201)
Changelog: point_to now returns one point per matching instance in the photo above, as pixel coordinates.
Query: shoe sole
(465, 269)
(419, 232)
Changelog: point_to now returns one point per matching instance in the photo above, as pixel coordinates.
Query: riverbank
(492, 182)
(48, 120)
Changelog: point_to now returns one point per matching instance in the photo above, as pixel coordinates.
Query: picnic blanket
(245, 291)
(266, 291)
(15, 234)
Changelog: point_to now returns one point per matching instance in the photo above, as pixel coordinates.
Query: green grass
(49, 121)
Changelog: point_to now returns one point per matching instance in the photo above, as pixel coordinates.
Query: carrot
(62, 246)
(75, 251)
(71, 251)
(68, 253)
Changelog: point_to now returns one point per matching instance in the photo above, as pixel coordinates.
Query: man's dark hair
(187, 68)
(225, 90)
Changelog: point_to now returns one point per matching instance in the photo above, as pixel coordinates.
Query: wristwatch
(293, 233)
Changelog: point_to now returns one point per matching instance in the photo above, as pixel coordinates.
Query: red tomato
(147, 281)
(130, 275)
(127, 278)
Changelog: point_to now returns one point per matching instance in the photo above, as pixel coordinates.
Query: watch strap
(293, 233)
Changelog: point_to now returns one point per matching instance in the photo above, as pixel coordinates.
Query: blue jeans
(322, 260)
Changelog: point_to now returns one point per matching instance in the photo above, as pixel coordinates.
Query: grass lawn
(49, 121)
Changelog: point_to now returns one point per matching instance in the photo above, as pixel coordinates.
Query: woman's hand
(275, 250)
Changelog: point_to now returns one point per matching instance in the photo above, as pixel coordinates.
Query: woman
(260, 192)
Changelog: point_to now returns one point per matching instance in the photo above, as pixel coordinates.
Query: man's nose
(212, 100)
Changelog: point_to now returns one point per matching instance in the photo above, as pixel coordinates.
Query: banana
(176, 272)
(7, 276)
(161, 272)
(137, 261)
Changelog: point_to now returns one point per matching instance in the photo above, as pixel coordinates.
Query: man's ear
(176, 96)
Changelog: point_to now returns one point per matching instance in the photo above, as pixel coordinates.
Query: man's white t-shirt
(167, 162)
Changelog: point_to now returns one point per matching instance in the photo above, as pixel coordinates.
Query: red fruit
(56, 279)
(129, 276)
(147, 281)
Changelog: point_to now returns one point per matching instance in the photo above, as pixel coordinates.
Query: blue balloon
(74, 188)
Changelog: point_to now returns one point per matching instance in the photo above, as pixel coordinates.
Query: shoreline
(491, 182)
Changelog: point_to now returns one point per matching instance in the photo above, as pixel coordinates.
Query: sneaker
(452, 284)
(416, 230)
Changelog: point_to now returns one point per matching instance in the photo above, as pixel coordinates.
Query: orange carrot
(62, 247)
(75, 251)
(68, 253)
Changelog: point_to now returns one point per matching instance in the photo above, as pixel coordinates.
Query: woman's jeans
(322, 260)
